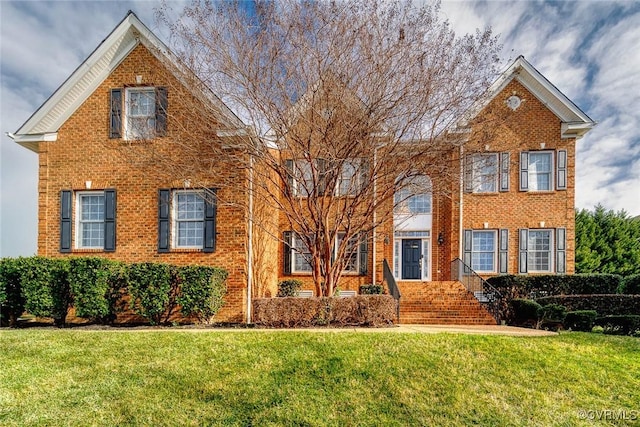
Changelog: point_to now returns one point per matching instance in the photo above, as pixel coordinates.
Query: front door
(411, 259)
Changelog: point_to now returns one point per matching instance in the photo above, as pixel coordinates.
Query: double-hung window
(351, 253)
(485, 173)
(483, 251)
(543, 170)
(540, 171)
(350, 179)
(297, 255)
(91, 217)
(138, 112)
(90, 220)
(543, 250)
(540, 249)
(301, 255)
(188, 219)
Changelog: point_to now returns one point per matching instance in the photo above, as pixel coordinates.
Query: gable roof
(575, 122)
(43, 125)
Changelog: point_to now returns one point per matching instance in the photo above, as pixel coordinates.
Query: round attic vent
(514, 102)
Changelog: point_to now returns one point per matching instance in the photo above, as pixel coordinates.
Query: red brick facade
(84, 157)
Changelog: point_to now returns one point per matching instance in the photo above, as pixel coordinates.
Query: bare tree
(345, 102)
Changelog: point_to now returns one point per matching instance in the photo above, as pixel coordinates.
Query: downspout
(250, 242)
(373, 237)
(460, 205)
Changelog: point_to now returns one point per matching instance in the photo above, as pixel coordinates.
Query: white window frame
(531, 252)
(298, 251)
(130, 132)
(475, 251)
(298, 248)
(175, 221)
(79, 222)
(479, 162)
(425, 236)
(531, 172)
(353, 179)
(302, 177)
(354, 240)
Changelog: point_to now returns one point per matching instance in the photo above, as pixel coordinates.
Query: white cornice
(94, 70)
(575, 122)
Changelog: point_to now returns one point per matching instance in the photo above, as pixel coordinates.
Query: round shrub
(371, 289)
(289, 288)
(525, 311)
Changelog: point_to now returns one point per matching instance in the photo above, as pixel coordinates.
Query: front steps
(441, 303)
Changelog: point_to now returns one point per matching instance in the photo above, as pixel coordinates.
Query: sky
(590, 50)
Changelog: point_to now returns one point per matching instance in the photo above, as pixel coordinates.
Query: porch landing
(440, 303)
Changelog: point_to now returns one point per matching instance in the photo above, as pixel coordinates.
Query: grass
(156, 378)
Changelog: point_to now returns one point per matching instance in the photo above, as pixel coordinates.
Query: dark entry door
(411, 257)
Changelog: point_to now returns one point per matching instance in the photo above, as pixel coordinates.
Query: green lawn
(174, 377)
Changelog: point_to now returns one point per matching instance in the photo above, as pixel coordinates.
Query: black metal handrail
(477, 285)
(392, 285)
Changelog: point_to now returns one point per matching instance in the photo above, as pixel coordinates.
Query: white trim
(174, 219)
(495, 250)
(552, 171)
(552, 250)
(425, 268)
(77, 223)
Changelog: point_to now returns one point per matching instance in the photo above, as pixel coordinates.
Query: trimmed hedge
(630, 285)
(603, 304)
(620, 325)
(97, 289)
(291, 312)
(523, 312)
(512, 286)
(582, 320)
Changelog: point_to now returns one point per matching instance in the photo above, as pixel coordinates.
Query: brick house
(511, 211)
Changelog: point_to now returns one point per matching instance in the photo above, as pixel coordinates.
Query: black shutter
(287, 238)
(468, 174)
(504, 171)
(524, 247)
(164, 204)
(115, 116)
(561, 250)
(289, 190)
(503, 252)
(561, 180)
(210, 213)
(65, 220)
(467, 245)
(109, 220)
(524, 171)
(364, 254)
(162, 103)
